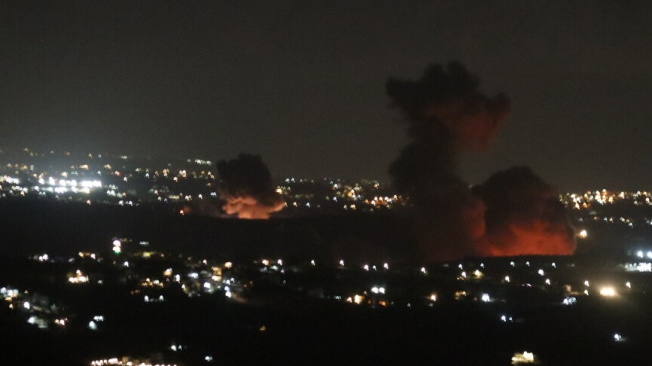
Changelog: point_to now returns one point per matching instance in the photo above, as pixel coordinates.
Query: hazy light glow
(607, 292)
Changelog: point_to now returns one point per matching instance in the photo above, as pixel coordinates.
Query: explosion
(523, 216)
(446, 115)
(246, 185)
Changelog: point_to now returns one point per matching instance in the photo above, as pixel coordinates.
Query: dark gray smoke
(247, 186)
(446, 114)
(514, 213)
(524, 216)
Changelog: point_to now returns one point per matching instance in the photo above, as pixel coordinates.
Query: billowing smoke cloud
(446, 115)
(247, 187)
(523, 216)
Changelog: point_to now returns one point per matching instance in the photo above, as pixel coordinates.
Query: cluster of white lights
(78, 278)
(10, 180)
(639, 267)
(640, 254)
(569, 301)
(115, 361)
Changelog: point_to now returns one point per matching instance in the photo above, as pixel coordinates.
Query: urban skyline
(303, 85)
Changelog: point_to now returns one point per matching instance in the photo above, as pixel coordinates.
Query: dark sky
(303, 82)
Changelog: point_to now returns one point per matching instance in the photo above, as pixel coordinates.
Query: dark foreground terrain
(297, 312)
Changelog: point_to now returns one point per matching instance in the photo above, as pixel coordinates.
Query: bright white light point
(618, 338)
(540, 272)
(639, 254)
(366, 267)
(423, 269)
(608, 292)
(506, 278)
(374, 290)
(460, 266)
(464, 274)
(649, 254)
(228, 294)
(569, 301)
(586, 283)
(512, 264)
(485, 298)
(527, 263)
(26, 305)
(433, 297)
(342, 263)
(279, 262)
(629, 285)
(503, 318)
(547, 281)
(208, 358)
(386, 266)
(583, 234)
(554, 265)
(482, 265)
(116, 243)
(381, 290)
(92, 325)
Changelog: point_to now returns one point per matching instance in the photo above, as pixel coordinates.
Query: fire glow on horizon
(513, 213)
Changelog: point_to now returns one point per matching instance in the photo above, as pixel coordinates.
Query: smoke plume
(446, 114)
(246, 185)
(523, 216)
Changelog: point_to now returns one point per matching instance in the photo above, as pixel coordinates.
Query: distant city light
(523, 358)
(570, 301)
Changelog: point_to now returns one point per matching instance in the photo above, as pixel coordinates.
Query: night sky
(303, 82)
